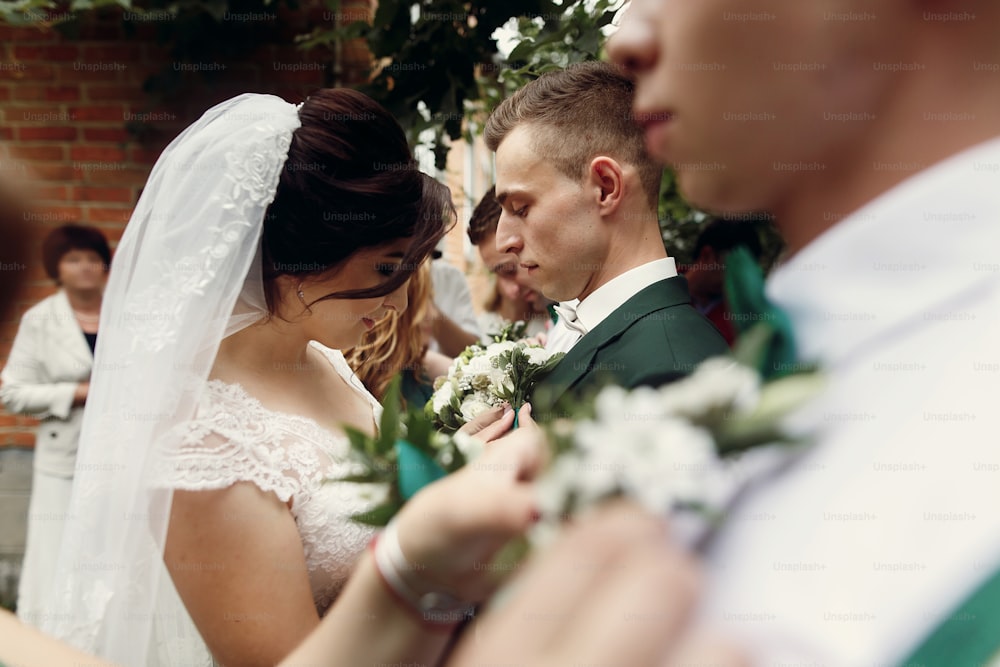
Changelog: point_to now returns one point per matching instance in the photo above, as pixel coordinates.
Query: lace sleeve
(232, 439)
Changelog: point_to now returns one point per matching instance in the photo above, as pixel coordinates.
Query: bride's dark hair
(350, 182)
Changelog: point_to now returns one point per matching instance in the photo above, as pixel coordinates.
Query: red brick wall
(64, 107)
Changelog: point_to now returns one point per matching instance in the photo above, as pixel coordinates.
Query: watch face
(438, 607)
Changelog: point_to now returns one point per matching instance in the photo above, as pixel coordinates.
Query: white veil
(186, 274)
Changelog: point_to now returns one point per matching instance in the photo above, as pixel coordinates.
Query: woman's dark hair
(350, 182)
(62, 240)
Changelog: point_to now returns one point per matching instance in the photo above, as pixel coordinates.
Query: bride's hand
(497, 422)
(612, 590)
(452, 529)
(491, 424)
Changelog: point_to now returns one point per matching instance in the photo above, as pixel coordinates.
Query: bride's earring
(302, 295)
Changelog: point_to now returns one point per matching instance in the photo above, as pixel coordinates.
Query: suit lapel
(580, 359)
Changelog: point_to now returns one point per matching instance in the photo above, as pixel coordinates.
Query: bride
(204, 525)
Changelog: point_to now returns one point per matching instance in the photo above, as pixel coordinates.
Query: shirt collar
(904, 258)
(607, 298)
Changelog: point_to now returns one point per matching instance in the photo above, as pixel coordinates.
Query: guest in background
(705, 273)
(452, 317)
(398, 344)
(47, 376)
(514, 296)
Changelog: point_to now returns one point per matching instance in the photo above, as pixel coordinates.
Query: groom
(872, 135)
(579, 198)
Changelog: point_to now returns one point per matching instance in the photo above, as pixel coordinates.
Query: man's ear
(607, 179)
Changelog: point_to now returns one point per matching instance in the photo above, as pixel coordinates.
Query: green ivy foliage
(437, 64)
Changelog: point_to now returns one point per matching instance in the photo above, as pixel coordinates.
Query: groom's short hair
(579, 113)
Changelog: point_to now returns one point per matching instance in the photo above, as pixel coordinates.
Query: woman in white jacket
(47, 376)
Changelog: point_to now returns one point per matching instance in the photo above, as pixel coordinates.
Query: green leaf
(751, 349)
(370, 477)
(764, 424)
(389, 424)
(379, 516)
(419, 429)
(360, 442)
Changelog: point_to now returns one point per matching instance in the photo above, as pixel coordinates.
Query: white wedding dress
(233, 438)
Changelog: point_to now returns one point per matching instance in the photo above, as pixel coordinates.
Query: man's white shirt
(605, 300)
(854, 554)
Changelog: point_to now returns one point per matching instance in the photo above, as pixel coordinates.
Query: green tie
(765, 341)
(969, 636)
(551, 308)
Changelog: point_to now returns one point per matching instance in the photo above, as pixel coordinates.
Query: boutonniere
(485, 376)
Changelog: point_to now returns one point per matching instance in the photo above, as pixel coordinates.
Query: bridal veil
(185, 275)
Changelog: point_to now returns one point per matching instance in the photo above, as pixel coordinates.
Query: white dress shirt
(856, 552)
(605, 300)
(452, 297)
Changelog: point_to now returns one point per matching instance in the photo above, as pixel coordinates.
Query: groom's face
(750, 100)
(549, 221)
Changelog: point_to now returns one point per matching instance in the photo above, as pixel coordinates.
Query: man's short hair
(582, 112)
(485, 217)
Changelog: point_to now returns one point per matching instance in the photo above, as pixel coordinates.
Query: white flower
(671, 465)
(635, 448)
(473, 406)
(482, 375)
(477, 365)
(555, 484)
(615, 405)
(501, 385)
(495, 350)
(486, 374)
(716, 384)
(443, 396)
(537, 355)
(457, 368)
(471, 447)
(481, 366)
(600, 468)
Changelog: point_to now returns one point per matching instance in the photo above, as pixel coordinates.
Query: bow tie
(567, 315)
(760, 325)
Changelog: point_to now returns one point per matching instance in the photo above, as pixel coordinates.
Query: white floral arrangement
(483, 377)
(668, 449)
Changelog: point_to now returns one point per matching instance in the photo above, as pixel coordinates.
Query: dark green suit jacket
(653, 338)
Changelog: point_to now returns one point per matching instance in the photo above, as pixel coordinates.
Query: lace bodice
(234, 438)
